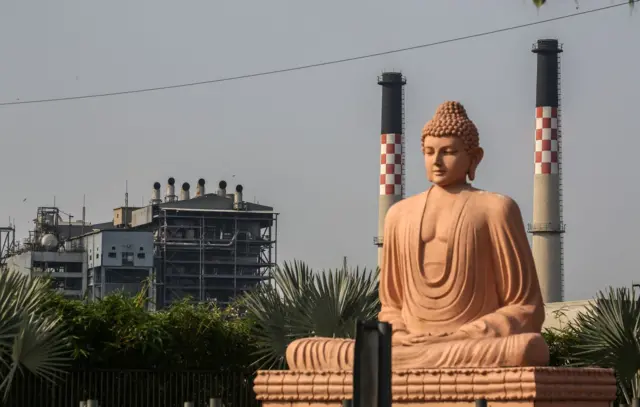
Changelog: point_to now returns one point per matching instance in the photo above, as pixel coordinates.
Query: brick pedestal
(540, 386)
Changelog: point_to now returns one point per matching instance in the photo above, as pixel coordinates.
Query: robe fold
(488, 292)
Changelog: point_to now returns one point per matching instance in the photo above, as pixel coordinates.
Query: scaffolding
(7, 243)
(210, 254)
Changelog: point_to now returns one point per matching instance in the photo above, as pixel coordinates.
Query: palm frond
(42, 346)
(304, 304)
(30, 337)
(607, 336)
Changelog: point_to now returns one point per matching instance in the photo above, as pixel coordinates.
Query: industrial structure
(547, 226)
(48, 251)
(210, 247)
(7, 242)
(117, 260)
(391, 149)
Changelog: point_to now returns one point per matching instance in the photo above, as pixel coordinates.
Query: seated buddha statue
(458, 282)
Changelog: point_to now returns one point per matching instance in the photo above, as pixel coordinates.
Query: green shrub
(562, 345)
(117, 332)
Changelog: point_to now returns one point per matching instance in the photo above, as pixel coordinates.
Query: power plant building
(211, 247)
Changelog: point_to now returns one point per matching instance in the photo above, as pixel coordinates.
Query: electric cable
(315, 65)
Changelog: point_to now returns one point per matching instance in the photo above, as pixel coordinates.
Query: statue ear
(476, 156)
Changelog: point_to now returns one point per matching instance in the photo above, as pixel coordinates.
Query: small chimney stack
(222, 188)
(155, 194)
(171, 190)
(184, 193)
(237, 198)
(200, 187)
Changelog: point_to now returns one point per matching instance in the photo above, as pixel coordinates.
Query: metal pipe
(155, 194)
(200, 187)
(184, 192)
(222, 188)
(228, 244)
(238, 203)
(170, 195)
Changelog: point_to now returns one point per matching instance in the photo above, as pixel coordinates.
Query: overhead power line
(316, 65)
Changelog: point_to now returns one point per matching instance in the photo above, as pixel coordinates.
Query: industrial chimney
(155, 194)
(237, 198)
(184, 193)
(170, 196)
(200, 187)
(222, 188)
(391, 149)
(547, 226)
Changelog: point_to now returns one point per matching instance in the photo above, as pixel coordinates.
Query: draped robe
(488, 296)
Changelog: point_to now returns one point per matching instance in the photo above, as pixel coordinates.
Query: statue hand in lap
(458, 283)
(407, 339)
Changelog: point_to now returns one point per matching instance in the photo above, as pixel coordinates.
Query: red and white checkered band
(391, 164)
(546, 155)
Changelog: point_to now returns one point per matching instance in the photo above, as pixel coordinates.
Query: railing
(133, 388)
(546, 227)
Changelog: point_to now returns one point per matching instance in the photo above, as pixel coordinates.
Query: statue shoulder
(498, 205)
(406, 206)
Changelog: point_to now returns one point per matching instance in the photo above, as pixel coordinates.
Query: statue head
(451, 146)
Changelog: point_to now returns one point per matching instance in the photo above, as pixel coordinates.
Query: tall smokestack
(237, 198)
(155, 194)
(391, 149)
(184, 193)
(547, 226)
(222, 188)
(170, 195)
(200, 187)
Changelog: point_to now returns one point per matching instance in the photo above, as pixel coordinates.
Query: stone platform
(539, 386)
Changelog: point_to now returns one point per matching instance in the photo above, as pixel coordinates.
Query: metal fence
(133, 388)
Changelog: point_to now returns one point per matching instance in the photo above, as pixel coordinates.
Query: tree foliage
(301, 303)
(31, 336)
(117, 332)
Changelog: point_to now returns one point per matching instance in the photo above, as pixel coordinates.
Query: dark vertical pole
(384, 365)
(372, 365)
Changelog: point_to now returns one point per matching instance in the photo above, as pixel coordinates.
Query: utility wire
(316, 65)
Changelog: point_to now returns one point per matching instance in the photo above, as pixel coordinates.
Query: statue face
(447, 160)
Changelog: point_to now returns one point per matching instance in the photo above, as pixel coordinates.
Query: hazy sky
(307, 142)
